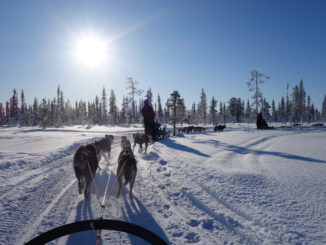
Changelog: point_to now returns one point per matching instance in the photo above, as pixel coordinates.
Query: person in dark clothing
(261, 123)
(149, 122)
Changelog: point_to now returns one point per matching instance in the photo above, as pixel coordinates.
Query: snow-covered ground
(240, 186)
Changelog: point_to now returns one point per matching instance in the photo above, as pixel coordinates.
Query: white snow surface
(240, 186)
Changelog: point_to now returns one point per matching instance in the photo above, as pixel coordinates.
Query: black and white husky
(85, 164)
(127, 168)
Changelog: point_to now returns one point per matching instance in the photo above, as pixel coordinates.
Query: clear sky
(166, 45)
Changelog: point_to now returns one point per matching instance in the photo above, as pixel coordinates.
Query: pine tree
(266, 110)
(202, 107)
(302, 101)
(323, 108)
(298, 103)
(235, 108)
(308, 109)
(288, 106)
(2, 114)
(212, 110)
(248, 112)
(35, 113)
(274, 112)
(14, 109)
(295, 106)
(282, 111)
(173, 102)
(113, 109)
(58, 113)
(160, 113)
(23, 110)
(44, 114)
(224, 115)
(104, 111)
(7, 117)
(97, 115)
(149, 96)
(124, 111)
(52, 112)
(255, 79)
(133, 92)
(193, 114)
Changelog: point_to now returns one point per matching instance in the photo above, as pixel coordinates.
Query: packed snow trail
(241, 186)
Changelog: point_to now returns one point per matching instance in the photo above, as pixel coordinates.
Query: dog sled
(100, 224)
(161, 133)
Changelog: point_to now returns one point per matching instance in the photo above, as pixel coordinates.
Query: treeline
(103, 110)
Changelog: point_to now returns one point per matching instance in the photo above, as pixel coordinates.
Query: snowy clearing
(240, 186)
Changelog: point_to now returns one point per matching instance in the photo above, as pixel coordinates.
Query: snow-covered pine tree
(181, 111)
(160, 113)
(193, 113)
(133, 92)
(104, 110)
(308, 110)
(173, 103)
(224, 113)
(52, 112)
(23, 110)
(235, 109)
(166, 113)
(202, 107)
(7, 116)
(113, 108)
(82, 112)
(2, 114)
(266, 110)
(302, 101)
(298, 103)
(255, 79)
(274, 112)
(295, 105)
(35, 113)
(44, 114)
(97, 115)
(124, 111)
(323, 109)
(149, 95)
(14, 109)
(282, 111)
(288, 106)
(248, 112)
(213, 111)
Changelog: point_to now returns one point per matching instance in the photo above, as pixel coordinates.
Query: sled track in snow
(49, 182)
(186, 206)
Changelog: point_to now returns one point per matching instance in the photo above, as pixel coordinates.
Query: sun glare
(91, 51)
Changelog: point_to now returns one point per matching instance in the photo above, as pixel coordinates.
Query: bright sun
(91, 51)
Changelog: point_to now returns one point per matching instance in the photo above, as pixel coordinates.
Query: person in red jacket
(149, 122)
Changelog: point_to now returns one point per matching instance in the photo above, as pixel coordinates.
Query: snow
(240, 186)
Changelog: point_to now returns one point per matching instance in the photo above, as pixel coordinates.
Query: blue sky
(165, 45)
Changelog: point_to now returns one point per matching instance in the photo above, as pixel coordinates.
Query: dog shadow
(84, 212)
(136, 213)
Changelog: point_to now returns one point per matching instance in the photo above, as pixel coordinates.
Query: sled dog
(85, 164)
(141, 139)
(127, 168)
(219, 128)
(103, 147)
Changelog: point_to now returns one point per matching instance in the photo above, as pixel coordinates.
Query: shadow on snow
(172, 144)
(133, 210)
